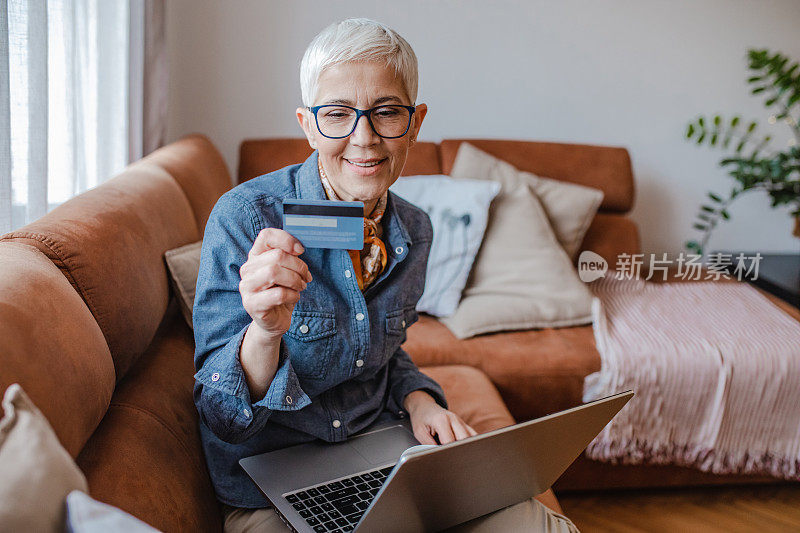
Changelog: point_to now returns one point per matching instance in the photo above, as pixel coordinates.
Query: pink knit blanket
(716, 371)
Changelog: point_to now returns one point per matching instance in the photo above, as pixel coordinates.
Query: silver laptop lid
(440, 487)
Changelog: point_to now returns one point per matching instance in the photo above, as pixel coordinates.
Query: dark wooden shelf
(778, 274)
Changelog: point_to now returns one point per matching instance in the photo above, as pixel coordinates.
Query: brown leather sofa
(90, 329)
(537, 371)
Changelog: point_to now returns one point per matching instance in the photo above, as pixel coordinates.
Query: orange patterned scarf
(371, 260)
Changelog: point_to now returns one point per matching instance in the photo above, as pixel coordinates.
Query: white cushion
(87, 515)
(459, 210)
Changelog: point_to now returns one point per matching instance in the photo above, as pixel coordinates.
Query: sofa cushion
(146, 457)
(37, 472)
(472, 396)
(522, 278)
(199, 169)
(109, 242)
(611, 235)
(570, 208)
(260, 156)
(87, 515)
(184, 263)
(602, 167)
(536, 371)
(51, 345)
(459, 212)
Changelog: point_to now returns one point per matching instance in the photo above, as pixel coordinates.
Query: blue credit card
(325, 223)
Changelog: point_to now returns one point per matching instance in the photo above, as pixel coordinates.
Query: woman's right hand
(271, 280)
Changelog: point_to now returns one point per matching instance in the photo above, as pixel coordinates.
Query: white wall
(626, 73)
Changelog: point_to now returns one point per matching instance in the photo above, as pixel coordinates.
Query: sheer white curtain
(76, 77)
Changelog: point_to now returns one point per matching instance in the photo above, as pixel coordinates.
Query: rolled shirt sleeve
(405, 377)
(220, 322)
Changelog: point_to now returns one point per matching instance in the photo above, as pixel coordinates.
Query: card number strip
(325, 210)
(299, 220)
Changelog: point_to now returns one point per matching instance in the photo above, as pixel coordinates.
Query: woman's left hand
(429, 420)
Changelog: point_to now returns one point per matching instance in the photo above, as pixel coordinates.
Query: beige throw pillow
(570, 208)
(36, 472)
(183, 264)
(522, 278)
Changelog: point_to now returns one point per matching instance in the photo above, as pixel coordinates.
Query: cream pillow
(570, 208)
(36, 472)
(522, 278)
(183, 264)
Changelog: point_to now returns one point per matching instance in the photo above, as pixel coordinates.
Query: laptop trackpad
(383, 446)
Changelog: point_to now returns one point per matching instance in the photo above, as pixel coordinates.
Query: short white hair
(357, 39)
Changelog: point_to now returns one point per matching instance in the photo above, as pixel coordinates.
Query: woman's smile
(366, 167)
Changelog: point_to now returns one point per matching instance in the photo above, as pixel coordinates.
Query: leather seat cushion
(611, 235)
(537, 372)
(52, 346)
(146, 457)
(472, 396)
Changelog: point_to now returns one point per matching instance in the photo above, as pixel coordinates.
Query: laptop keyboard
(338, 505)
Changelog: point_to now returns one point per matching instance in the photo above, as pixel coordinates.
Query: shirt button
(304, 329)
(347, 273)
(403, 323)
(215, 376)
(246, 413)
(399, 250)
(360, 363)
(289, 399)
(336, 423)
(359, 316)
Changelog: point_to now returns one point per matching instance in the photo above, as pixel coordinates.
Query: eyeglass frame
(359, 112)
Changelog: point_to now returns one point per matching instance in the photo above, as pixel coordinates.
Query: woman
(294, 345)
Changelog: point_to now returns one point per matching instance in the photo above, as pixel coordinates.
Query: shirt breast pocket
(308, 341)
(397, 322)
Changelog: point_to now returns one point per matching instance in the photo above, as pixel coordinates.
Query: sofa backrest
(109, 242)
(606, 168)
(51, 345)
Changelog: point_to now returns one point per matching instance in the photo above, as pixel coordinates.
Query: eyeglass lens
(388, 121)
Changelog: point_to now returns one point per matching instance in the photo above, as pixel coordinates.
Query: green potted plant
(762, 168)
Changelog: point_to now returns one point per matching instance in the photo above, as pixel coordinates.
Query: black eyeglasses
(339, 121)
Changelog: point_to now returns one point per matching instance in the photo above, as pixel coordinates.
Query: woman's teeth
(372, 164)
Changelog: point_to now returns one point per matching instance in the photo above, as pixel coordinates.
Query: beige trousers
(530, 515)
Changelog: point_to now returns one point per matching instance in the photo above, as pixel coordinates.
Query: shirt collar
(308, 186)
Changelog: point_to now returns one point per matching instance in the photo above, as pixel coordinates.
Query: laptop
(383, 480)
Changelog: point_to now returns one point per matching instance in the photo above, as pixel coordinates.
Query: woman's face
(362, 85)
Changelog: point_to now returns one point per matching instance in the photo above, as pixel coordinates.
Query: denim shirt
(340, 364)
